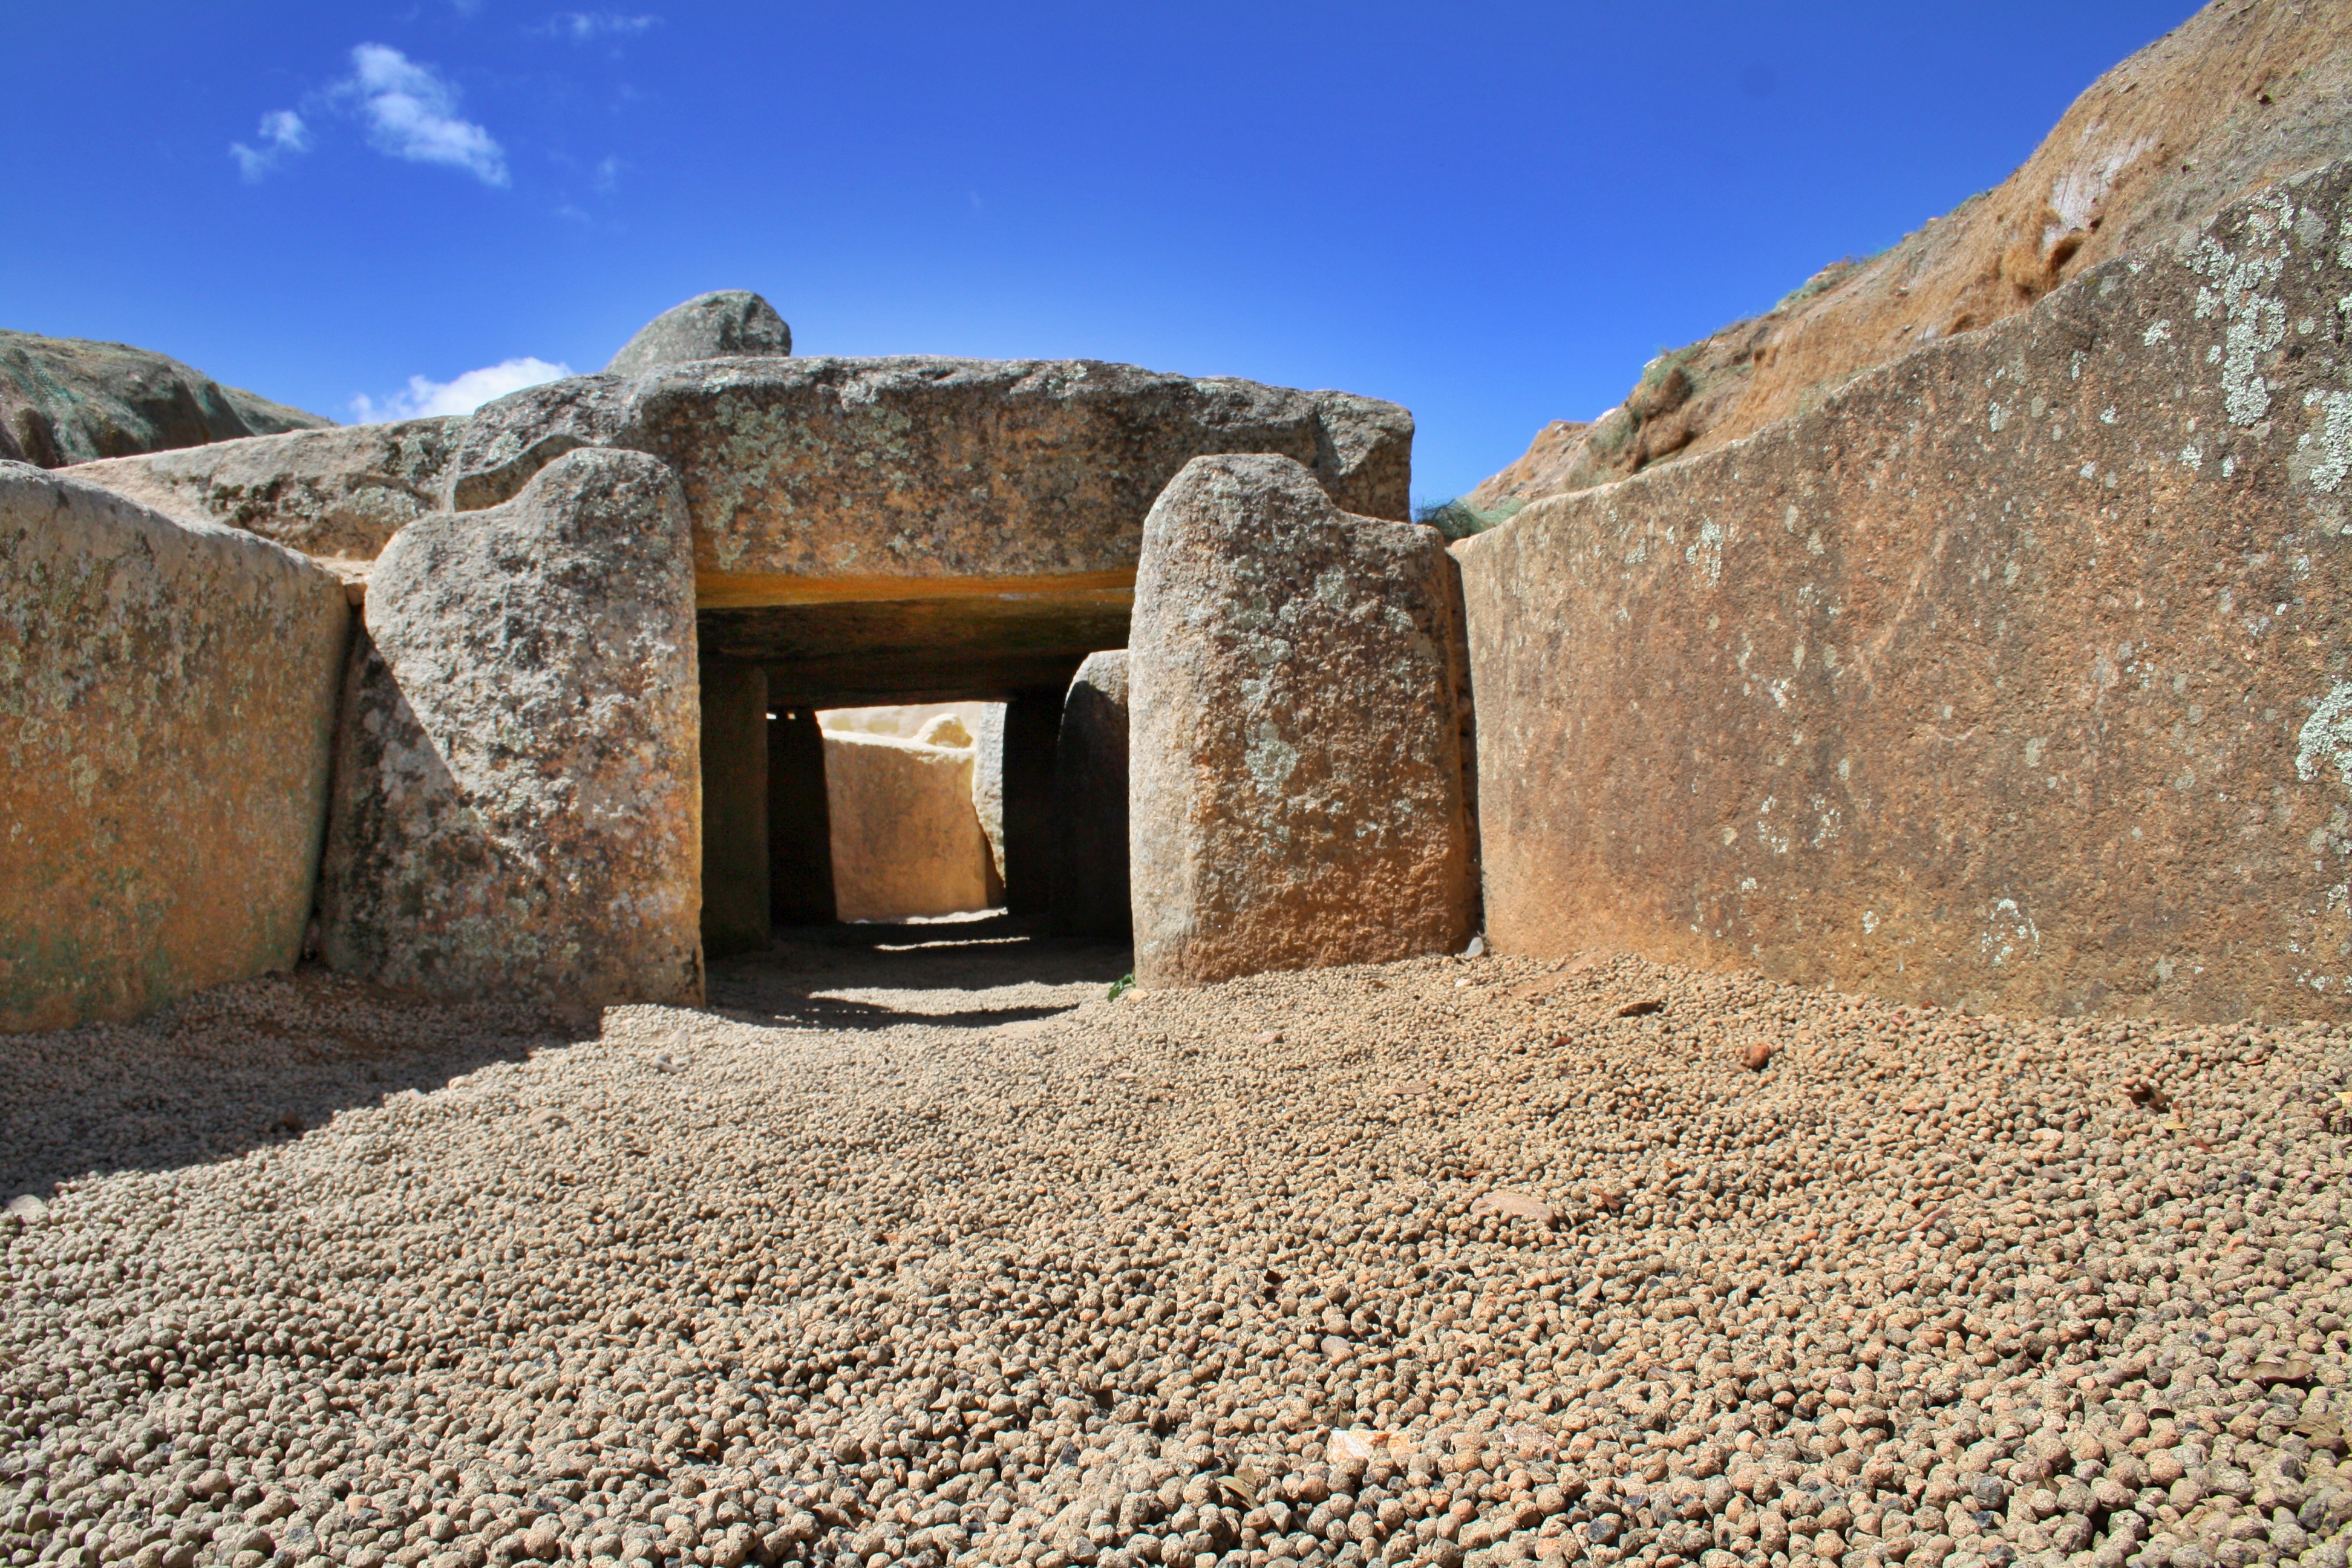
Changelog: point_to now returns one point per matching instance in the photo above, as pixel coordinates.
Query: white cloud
(584, 26)
(424, 399)
(412, 114)
(282, 132)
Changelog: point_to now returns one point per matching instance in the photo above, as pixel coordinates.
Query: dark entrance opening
(768, 828)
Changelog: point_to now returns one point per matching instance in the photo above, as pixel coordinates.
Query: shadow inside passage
(257, 1062)
(955, 973)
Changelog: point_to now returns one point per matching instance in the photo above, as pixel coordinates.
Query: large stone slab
(1293, 691)
(816, 480)
(906, 840)
(516, 792)
(336, 495)
(167, 706)
(2016, 675)
(1089, 817)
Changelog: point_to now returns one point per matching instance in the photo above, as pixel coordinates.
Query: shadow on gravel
(236, 1066)
(263, 1061)
(951, 974)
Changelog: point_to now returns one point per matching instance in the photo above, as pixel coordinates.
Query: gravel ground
(925, 1251)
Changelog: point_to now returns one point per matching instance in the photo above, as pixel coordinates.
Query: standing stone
(988, 792)
(1031, 719)
(1296, 792)
(729, 324)
(1090, 891)
(800, 824)
(167, 711)
(517, 799)
(905, 839)
(734, 809)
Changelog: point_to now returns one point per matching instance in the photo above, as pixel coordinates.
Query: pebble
(1461, 1261)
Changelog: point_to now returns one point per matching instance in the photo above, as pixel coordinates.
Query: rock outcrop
(167, 707)
(337, 495)
(906, 840)
(1090, 894)
(517, 804)
(728, 324)
(2011, 678)
(1294, 740)
(69, 400)
(891, 469)
(2232, 100)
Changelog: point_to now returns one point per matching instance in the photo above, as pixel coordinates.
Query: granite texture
(1296, 795)
(730, 323)
(167, 706)
(518, 790)
(72, 400)
(2017, 676)
(337, 495)
(849, 477)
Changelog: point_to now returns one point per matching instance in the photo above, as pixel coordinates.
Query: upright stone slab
(735, 862)
(517, 800)
(2012, 677)
(905, 839)
(167, 709)
(988, 792)
(1090, 889)
(800, 824)
(1296, 791)
(1031, 719)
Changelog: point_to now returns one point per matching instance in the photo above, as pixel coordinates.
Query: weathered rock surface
(727, 324)
(2237, 97)
(167, 708)
(1090, 781)
(816, 478)
(906, 840)
(2013, 676)
(337, 495)
(516, 795)
(1297, 789)
(988, 791)
(69, 400)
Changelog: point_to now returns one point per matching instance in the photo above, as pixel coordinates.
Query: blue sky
(1490, 213)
